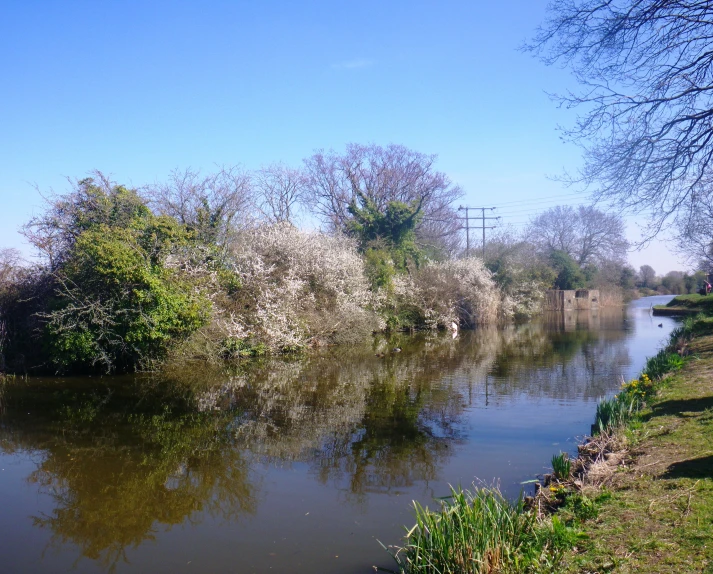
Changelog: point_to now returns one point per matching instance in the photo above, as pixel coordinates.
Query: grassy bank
(639, 498)
(686, 305)
(658, 516)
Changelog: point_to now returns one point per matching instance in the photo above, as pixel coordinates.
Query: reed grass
(481, 532)
(614, 412)
(661, 363)
(561, 466)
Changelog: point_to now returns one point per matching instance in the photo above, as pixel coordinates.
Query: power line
(540, 199)
(467, 227)
(530, 209)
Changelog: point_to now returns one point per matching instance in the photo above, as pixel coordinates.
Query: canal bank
(638, 498)
(658, 511)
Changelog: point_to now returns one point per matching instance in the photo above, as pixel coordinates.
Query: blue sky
(136, 89)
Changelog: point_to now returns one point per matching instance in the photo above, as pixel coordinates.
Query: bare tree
(211, 204)
(585, 233)
(554, 230)
(440, 235)
(10, 263)
(647, 276)
(646, 67)
(279, 191)
(695, 232)
(381, 174)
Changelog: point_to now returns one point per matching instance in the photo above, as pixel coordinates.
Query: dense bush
(104, 298)
(115, 305)
(296, 289)
(119, 287)
(460, 291)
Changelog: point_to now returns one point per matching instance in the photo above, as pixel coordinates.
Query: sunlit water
(297, 466)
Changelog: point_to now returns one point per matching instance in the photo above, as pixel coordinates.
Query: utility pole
(468, 227)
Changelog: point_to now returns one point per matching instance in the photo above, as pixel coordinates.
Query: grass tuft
(661, 363)
(480, 532)
(561, 466)
(614, 412)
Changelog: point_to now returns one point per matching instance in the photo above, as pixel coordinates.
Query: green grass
(561, 466)
(702, 302)
(686, 305)
(613, 413)
(657, 516)
(479, 532)
(662, 363)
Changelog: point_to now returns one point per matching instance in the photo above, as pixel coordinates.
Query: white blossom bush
(296, 289)
(460, 291)
(282, 289)
(524, 298)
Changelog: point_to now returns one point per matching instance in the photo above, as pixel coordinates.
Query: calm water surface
(296, 466)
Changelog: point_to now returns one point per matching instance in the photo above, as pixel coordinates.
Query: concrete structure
(570, 300)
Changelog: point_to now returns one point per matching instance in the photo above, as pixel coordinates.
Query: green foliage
(662, 363)
(627, 277)
(569, 275)
(562, 537)
(380, 268)
(229, 281)
(117, 304)
(235, 348)
(480, 531)
(614, 412)
(392, 230)
(508, 274)
(561, 465)
(93, 205)
(582, 507)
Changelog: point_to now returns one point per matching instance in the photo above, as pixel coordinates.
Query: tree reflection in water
(127, 458)
(117, 475)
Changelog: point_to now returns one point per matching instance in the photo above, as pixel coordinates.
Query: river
(297, 465)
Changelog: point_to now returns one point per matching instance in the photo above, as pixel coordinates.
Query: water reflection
(123, 460)
(118, 473)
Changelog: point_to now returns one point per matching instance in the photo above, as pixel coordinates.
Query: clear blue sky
(136, 88)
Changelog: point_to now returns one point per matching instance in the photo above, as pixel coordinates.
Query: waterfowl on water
(396, 349)
(660, 324)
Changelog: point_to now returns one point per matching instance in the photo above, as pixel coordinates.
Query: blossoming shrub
(524, 297)
(296, 288)
(440, 293)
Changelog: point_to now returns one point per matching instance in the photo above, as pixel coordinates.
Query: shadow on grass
(679, 407)
(691, 468)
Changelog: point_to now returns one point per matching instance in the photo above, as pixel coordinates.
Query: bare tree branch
(381, 174)
(646, 68)
(279, 191)
(586, 234)
(212, 205)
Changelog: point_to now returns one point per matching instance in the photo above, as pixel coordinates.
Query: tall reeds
(561, 466)
(614, 412)
(480, 532)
